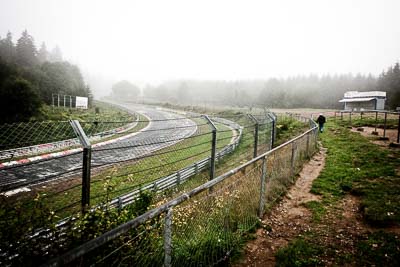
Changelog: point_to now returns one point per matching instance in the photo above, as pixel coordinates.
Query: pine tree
(7, 49)
(55, 55)
(42, 54)
(26, 50)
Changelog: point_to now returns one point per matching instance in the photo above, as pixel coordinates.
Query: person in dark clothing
(321, 120)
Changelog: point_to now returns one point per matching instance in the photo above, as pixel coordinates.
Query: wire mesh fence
(156, 155)
(154, 159)
(205, 226)
(378, 122)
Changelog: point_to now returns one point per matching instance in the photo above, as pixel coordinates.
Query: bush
(18, 100)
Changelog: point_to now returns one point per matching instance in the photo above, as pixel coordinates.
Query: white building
(372, 100)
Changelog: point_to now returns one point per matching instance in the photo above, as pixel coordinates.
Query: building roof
(361, 99)
(356, 94)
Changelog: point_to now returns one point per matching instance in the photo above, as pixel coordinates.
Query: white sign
(81, 102)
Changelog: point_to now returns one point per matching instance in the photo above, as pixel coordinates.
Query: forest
(29, 76)
(310, 91)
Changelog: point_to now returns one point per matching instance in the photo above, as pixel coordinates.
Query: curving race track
(163, 127)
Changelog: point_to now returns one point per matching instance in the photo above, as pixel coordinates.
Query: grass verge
(354, 166)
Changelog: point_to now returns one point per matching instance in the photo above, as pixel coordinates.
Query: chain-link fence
(379, 122)
(205, 226)
(162, 155)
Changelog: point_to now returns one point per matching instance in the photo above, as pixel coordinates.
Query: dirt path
(287, 220)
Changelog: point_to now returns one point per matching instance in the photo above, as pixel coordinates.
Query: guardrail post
(262, 189)
(384, 125)
(213, 147)
(168, 238)
(86, 164)
(256, 128)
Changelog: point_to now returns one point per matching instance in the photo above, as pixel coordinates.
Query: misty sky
(152, 41)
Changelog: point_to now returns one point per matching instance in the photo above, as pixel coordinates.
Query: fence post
(292, 160)
(272, 130)
(350, 118)
(308, 145)
(384, 125)
(86, 164)
(341, 115)
(398, 130)
(256, 127)
(168, 238)
(213, 147)
(262, 189)
(376, 120)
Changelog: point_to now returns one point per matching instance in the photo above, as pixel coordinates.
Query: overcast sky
(152, 41)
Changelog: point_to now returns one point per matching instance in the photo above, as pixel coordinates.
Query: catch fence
(205, 226)
(379, 120)
(164, 155)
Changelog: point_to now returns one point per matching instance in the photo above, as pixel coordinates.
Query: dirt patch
(390, 133)
(289, 219)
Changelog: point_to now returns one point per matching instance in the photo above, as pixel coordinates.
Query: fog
(151, 43)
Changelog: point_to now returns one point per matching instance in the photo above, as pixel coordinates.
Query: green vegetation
(299, 253)
(231, 217)
(100, 112)
(369, 120)
(311, 91)
(37, 74)
(356, 166)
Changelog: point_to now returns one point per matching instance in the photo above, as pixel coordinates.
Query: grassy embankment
(368, 172)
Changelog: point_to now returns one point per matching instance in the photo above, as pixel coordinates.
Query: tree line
(310, 91)
(29, 76)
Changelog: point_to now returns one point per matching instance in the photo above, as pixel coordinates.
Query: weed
(299, 253)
